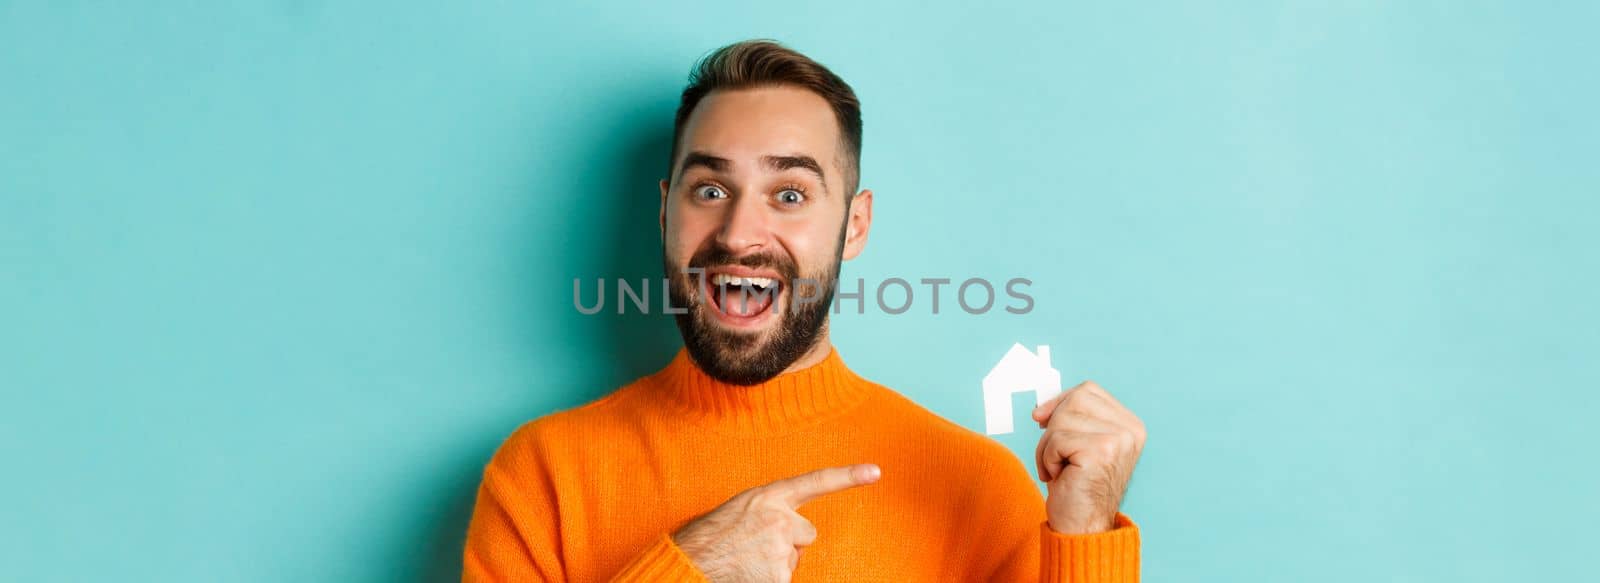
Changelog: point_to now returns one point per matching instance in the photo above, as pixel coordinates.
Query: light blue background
(279, 276)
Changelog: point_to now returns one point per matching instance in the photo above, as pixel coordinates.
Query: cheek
(685, 233)
(812, 246)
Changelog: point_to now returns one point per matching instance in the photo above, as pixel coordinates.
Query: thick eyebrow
(698, 158)
(781, 163)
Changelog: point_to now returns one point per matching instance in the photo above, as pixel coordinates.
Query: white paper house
(1018, 371)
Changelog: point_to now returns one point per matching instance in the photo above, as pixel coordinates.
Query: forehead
(745, 124)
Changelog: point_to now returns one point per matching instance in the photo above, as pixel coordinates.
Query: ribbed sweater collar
(783, 402)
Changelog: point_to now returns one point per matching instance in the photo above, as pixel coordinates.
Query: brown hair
(765, 63)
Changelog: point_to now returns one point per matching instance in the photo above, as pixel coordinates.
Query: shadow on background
(622, 241)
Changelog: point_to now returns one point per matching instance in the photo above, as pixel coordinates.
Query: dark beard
(742, 358)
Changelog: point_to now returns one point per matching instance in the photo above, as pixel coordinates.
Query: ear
(857, 225)
(663, 216)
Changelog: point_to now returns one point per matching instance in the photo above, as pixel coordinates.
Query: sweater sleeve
(1106, 557)
(515, 532)
(1028, 550)
(513, 535)
(661, 561)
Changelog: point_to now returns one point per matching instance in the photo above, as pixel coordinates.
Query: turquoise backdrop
(277, 277)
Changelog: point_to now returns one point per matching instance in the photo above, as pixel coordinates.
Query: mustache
(716, 256)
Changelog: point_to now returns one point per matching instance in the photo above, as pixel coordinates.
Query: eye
(791, 197)
(709, 192)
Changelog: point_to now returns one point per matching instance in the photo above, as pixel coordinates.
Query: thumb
(1042, 412)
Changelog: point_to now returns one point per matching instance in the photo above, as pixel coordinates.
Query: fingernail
(872, 473)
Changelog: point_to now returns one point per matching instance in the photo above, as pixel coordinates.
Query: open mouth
(742, 299)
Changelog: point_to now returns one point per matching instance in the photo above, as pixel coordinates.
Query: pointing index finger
(805, 487)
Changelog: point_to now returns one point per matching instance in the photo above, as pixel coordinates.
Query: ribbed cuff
(661, 561)
(1106, 557)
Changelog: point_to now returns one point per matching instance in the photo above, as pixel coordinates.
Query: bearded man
(756, 454)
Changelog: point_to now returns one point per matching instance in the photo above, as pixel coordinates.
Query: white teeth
(725, 279)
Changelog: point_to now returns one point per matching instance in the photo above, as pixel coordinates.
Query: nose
(744, 226)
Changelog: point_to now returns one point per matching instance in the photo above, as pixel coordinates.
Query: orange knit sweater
(593, 493)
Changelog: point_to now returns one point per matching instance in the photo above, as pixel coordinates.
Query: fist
(1087, 453)
(758, 534)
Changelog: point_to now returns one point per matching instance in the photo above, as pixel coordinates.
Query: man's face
(757, 201)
